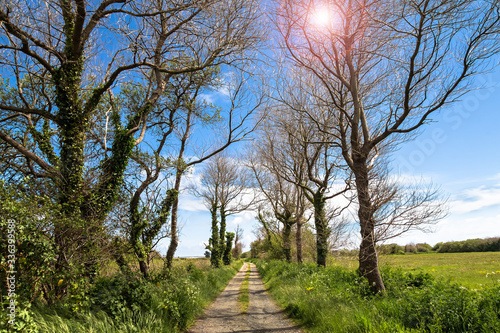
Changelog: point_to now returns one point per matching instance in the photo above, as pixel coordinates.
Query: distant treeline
(470, 245)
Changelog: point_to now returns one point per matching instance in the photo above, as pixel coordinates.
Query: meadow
(425, 293)
(472, 270)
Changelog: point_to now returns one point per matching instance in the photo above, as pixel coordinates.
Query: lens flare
(321, 17)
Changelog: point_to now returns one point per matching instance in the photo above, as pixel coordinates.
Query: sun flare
(321, 17)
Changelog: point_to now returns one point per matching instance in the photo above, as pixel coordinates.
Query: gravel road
(263, 315)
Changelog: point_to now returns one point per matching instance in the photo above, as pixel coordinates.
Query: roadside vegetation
(126, 303)
(337, 299)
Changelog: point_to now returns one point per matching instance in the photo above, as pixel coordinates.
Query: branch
(30, 155)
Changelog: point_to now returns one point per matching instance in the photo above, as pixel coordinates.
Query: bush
(411, 248)
(128, 303)
(423, 247)
(391, 249)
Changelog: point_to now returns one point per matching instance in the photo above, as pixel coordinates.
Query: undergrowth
(337, 299)
(126, 303)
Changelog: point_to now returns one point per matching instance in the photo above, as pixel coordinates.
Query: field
(425, 293)
(472, 270)
(467, 269)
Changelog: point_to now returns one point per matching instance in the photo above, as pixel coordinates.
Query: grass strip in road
(244, 297)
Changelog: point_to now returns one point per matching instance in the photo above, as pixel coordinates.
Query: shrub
(128, 303)
(391, 249)
(423, 247)
(411, 248)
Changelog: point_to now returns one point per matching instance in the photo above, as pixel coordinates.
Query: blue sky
(459, 152)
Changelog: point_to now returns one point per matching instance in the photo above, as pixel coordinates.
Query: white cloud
(189, 202)
(208, 98)
(243, 217)
(474, 199)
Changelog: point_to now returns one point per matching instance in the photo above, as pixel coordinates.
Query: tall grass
(127, 304)
(337, 300)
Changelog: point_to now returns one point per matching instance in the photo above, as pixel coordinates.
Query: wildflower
(482, 272)
(60, 282)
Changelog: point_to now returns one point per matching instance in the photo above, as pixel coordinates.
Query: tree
(284, 198)
(55, 89)
(386, 67)
(227, 258)
(293, 150)
(238, 245)
(230, 126)
(225, 191)
(399, 208)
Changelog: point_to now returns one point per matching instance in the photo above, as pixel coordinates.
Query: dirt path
(263, 315)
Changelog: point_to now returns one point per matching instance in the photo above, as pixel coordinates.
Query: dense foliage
(128, 303)
(469, 245)
(339, 300)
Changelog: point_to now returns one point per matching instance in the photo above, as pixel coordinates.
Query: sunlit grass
(337, 299)
(172, 304)
(472, 270)
(244, 298)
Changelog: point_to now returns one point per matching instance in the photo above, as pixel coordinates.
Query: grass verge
(128, 304)
(336, 299)
(244, 298)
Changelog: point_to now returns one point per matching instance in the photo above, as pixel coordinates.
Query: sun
(321, 17)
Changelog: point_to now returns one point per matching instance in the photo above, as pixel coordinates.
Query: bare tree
(231, 125)
(386, 67)
(225, 189)
(290, 147)
(238, 245)
(400, 208)
(285, 199)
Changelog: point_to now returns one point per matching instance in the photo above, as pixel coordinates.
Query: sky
(458, 152)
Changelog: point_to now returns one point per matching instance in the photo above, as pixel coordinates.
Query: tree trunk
(298, 241)
(368, 258)
(227, 250)
(287, 230)
(322, 230)
(144, 267)
(174, 240)
(214, 241)
(222, 231)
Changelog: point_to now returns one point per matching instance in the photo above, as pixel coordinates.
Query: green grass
(336, 299)
(244, 298)
(471, 270)
(128, 304)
